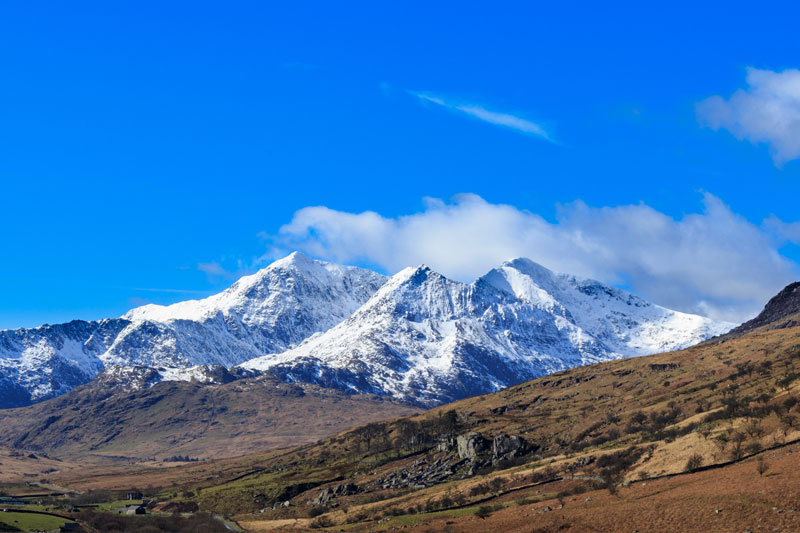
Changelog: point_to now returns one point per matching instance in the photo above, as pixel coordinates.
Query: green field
(12, 521)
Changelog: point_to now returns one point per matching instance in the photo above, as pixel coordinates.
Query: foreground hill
(418, 337)
(607, 430)
(118, 416)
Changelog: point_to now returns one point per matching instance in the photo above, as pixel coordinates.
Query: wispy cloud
(135, 301)
(215, 271)
(505, 120)
(713, 262)
(767, 111)
(789, 231)
(170, 291)
(212, 269)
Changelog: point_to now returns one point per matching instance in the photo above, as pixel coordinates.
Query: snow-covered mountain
(418, 336)
(429, 340)
(267, 312)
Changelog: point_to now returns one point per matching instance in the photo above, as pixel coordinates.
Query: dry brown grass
(88, 425)
(587, 402)
(555, 412)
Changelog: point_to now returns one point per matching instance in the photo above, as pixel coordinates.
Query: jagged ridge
(269, 311)
(430, 340)
(418, 336)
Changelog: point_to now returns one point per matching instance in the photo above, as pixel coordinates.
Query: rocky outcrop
(446, 445)
(507, 447)
(422, 474)
(329, 493)
(470, 445)
(664, 367)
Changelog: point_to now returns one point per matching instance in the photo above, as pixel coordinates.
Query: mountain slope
(42, 362)
(264, 313)
(421, 337)
(601, 426)
(119, 415)
(430, 340)
(267, 312)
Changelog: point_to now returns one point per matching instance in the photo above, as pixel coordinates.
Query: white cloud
(715, 262)
(789, 231)
(212, 268)
(215, 271)
(505, 120)
(768, 111)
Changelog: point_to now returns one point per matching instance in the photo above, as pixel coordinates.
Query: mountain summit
(267, 312)
(429, 340)
(417, 335)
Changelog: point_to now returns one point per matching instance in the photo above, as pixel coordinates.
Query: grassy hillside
(11, 521)
(700, 439)
(591, 428)
(183, 419)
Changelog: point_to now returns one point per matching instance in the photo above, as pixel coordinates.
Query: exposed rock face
(417, 336)
(508, 446)
(446, 445)
(422, 474)
(429, 340)
(470, 445)
(664, 367)
(327, 494)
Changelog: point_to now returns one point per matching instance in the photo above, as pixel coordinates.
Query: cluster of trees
(735, 442)
(613, 465)
(180, 459)
(654, 424)
(487, 487)
(406, 434)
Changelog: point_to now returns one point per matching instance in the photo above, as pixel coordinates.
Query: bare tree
(761, 466)
(695, 461)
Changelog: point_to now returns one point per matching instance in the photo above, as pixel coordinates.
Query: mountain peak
(523, 263)
(418, 274)
(521, 277)
(295, 258)
(294, 261)
(419, 334)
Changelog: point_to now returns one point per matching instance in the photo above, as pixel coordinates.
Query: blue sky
(150, 152)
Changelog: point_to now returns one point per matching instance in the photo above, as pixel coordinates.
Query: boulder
(470, 445)
(327, 494)
(507, 445)
(422, 474)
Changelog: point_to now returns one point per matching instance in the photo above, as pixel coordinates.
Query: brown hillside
(591, 429)
(606, 423)
(187, 419)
